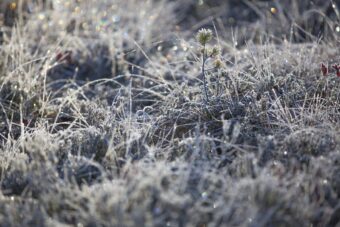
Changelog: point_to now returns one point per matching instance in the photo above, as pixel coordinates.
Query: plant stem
(204, 78)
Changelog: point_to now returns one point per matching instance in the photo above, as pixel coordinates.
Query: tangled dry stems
(104, 123)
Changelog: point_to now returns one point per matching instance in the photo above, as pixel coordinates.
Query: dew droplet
(13, 5)
(273, 10)
(41, 16)
(115, 19)
(337, 29)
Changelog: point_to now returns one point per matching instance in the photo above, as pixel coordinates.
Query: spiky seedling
(204, 36)
(215, 51)
(218, 63)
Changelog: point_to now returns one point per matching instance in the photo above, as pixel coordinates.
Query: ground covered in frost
(104, 119)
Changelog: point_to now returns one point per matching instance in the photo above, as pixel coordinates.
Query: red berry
(68, 57)
(25, 122)
(337, 68)
(59, 56)
(65, 56)
(324, 69)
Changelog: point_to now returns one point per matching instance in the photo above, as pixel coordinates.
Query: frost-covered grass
(105, 120)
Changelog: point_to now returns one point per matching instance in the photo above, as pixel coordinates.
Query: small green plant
(204, 36)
